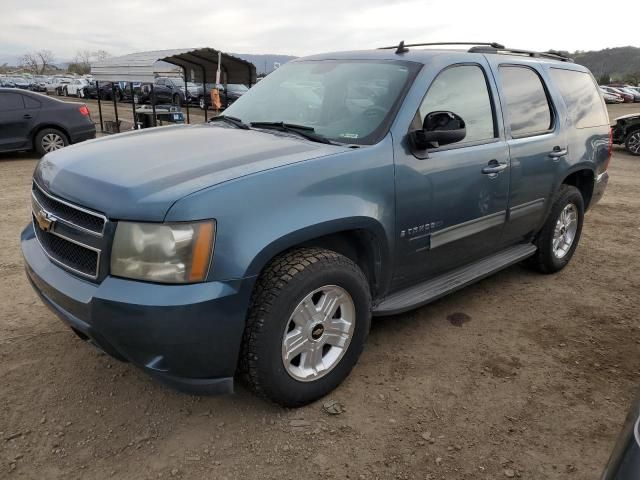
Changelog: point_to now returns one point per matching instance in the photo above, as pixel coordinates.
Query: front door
(451, 201)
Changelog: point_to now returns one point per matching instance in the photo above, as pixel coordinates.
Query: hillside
(622, 63)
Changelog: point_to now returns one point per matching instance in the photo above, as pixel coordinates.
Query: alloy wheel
(565, 230)
(51, 142)
(318, 333)
(633, 143)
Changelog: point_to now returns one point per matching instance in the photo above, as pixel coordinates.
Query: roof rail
(551, 54)
(402, 48)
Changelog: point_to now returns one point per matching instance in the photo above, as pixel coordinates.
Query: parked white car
(76, 87)
(57, 84)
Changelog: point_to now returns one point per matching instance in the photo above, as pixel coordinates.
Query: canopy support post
(133, 107)
(153, 106)
(115, 105)
(186, 93)
(99, 106)
(204, 90)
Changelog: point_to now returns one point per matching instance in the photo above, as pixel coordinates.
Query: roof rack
(551, 54)
(483, 47)
(402, 48)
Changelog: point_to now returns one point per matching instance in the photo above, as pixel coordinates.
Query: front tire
(307, 325)
(632, 142)
(559, 237)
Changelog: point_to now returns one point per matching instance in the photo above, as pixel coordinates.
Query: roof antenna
(401, 48)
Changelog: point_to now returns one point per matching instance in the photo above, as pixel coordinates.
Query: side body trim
(466, 229)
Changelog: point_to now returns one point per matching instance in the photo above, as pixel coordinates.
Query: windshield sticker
(349, 135)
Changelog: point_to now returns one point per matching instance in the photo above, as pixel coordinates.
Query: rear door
(15, 121)
(536, 136)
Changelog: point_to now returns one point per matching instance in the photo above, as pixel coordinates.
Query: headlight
(165, 253)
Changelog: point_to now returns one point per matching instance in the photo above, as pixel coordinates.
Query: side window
(11, 101)
(581, 96)
(527, 104)
(31, 102)
(462, 90)
(160, 81)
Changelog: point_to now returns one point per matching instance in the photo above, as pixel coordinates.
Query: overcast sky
(299, 27)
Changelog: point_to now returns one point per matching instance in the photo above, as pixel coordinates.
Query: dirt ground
(532, 382)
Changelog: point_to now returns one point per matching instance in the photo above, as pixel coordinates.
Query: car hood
(628, 116)
(139, 175)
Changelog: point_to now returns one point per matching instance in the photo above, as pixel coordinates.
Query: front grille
(70, 235)
(69, 254)
(71, 214)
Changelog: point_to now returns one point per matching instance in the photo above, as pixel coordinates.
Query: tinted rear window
(527, 103)
(31, 102)
(10, 101)
(581, 97)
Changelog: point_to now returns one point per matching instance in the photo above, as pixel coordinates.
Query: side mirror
(439, 128)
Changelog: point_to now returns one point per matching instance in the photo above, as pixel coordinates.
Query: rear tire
(632, 142)
(559, 237)
(308, 321)
(49, 140)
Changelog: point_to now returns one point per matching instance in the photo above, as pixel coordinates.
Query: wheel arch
(361, 239)
(583, 178)
(39, 128)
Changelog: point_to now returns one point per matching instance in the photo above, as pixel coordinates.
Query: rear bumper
(187, 336)
(599, 187)
(80, 135)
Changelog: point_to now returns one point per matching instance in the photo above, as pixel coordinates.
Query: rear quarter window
(581, 97)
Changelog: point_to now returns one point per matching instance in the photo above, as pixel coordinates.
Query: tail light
(609, 150)
(84, 111)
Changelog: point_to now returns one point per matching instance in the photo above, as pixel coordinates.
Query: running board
(431, 290)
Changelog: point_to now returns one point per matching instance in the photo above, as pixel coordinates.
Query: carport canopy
(199, 63)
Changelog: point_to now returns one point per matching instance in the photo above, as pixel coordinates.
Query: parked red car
(628, 98)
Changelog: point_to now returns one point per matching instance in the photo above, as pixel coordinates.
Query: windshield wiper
(302, 130)
(232, 120)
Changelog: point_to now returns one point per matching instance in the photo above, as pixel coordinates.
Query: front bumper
(600, 185)
(187, 336)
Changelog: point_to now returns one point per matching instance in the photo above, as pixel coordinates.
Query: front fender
(265, 213)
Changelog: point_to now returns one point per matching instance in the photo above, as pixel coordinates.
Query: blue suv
(341, 187)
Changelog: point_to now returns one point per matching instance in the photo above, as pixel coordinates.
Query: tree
(79, 68)
(632, 78)
(101, 55)
(604, 79)
(37, 62)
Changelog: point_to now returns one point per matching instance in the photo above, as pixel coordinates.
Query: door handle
(494, 167)
(558, 152)
(27, 116)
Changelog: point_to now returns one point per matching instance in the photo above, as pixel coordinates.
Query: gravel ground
(521, 375)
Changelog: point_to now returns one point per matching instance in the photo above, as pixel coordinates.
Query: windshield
(346, 101)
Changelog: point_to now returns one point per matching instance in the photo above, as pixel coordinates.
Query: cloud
(299, 27)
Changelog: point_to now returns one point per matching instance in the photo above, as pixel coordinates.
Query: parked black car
(38, 84)
(228, 95)
(626, 131)
(624, 463)
(106, 91)
(167, 90)
(34, 121)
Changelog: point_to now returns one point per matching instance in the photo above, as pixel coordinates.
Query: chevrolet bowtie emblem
(45, 221)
